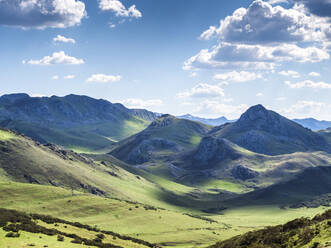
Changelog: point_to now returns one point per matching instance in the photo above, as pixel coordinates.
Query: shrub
(12, 235)
(60, 238)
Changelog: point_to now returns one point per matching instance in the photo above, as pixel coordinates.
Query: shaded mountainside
(299, 233)
(264, 131)
(212, 122)
(72, 121)
(163, 137)
(27, 161)
(313, 124)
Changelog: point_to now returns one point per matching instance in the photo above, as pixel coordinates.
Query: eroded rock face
(243, 173)
(213, 150)
(144, 151)
(163, 121)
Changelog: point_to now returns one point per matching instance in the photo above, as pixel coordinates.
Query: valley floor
(165, 227)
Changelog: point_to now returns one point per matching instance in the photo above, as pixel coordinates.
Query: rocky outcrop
(144, 151)
(243, 173)
(212, 150)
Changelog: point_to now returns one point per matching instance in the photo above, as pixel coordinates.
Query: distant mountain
(165, 136)
(76, 122)
(313, 124)
(211, 122)
(264, 131)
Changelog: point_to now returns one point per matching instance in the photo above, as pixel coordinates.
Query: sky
(208, 58)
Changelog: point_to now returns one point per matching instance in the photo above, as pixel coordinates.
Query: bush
(60, 238)
(12, 235)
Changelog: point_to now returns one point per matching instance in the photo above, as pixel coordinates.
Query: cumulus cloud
(314, 74)
(68, 77)
(308, 109)
(63, 39)
(41, 14)
(238, 77)
(308, 84)
(293, 74)
(227, 56)
(259, 94)
(202, 90)
(317, 7)
(263, 36)
(141, 104)
(214, 108)
(102, 78)
(264, 24)
(55, 77)
(56, 58)
(119, 9)
(277, 1)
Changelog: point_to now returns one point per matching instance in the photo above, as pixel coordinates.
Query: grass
(5, 135)
(298, 233)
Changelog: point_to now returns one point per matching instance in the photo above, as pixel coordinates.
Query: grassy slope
(299, 233)
(184, 133)
(85, 138)
(162, 226)
(42, 231)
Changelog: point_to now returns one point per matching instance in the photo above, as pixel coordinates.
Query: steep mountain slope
(27, 161)
(164, 136)
(298, 233)
(211, 122)
(313, 124)
(76, 122)
(264, 131)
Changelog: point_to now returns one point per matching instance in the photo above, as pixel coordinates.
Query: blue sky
(207, 58)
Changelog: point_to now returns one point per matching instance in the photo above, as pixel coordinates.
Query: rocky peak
(163, 121)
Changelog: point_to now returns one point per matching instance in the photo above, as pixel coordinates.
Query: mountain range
(172, 181)
(75, 122)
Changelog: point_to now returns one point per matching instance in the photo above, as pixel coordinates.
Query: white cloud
(102, 78)
(55, 77)
(264, 36)
(259, 57)
(277, 1)
(281, 98)
(63, 39)
(68, 77)
(293, 74)
(119, 9)
(261, 23)
(318, 7)
(308, 109)
(202, 90)
(314, 74)
(238, 77)
(41, 14)
(308, 84)
(193, 74)
(209, 33)
(141, 104)
(213, 108)
(56, 58)
(259, 94)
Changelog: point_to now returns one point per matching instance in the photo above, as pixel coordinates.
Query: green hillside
(165, 136)
(75, 122)
(298, 233)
